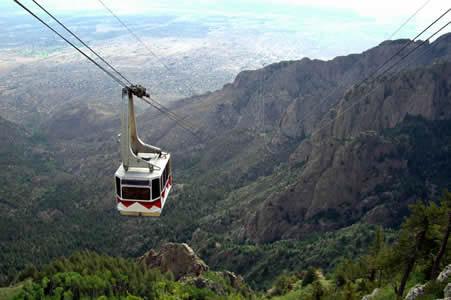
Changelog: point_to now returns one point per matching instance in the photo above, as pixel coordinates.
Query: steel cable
(380, 67)
(179, 121)
(140, 41)
(70, 43)
(374, 87)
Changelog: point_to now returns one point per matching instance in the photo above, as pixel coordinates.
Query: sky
(393, 12)
(380, 11)
(360, 21)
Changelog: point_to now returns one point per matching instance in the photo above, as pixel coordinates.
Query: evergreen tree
(318, 291)
(411, 241)
(350, 292)
(445, 217)
(310, 276)
(376, 259)
(418, 239)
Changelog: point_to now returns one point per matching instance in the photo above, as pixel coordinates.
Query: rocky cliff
(343, 168)
(179, 259)
(349, 157)
(186, 266)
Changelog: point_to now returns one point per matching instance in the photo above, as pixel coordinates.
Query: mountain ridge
(254, 175)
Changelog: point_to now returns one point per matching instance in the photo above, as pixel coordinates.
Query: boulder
(416, 291)
(203, 283)
(447, 291)
(178, 258)
(372, 295)
(444, 274)
(235, 281)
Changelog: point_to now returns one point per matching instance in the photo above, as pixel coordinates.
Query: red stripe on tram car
(126, 203)
(151, 204)
(146, 205)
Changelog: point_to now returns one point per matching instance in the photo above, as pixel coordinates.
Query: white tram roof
(159, 164)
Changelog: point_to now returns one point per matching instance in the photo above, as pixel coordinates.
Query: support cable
(374, 87)
(402, 48)
(75, 47)
(179, 121)
(168, 111)
(84, 44)
(140, 41)
(408, 20)
(386, 62)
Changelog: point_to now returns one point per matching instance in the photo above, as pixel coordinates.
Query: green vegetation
(425, 145)
(50, 212)
(411, 259)
(12, 291)
(89, 275)
(262, 264)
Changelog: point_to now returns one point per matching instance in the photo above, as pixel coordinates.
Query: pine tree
(310, 276)
(350, 292)
(377, 246)
(445, 205)
(318, 292)
(411, 241)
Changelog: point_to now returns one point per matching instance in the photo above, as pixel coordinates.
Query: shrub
(310, 276)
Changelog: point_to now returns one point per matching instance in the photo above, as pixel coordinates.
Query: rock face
(235, 281)
(349, 158)
(372, 295)
(415, 292)
(444, 274)
(177, 258)
(345, 173)
(447, 291)
(418, 290)
(200, 282)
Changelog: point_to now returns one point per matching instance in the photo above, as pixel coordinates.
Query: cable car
(143, 180)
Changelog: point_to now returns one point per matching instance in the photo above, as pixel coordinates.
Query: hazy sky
(380, 11)
(364, 23)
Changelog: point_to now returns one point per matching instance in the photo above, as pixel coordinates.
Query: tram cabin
(142, 192)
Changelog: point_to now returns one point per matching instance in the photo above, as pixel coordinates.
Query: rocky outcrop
(177, 258)
(235, 281)
(444, 275)
(229, 277)
(372, 295)
(416, 291)
(203, 283)
(348, 159)
(447, 291)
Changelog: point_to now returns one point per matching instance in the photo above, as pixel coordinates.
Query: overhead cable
(84, 44)
(374, 87)
(182, 123)
(129, 30)
(140, 41)
(143, 44)
(178, 121)
(388, 60)
(404, 47)
(75, 47)
(408, 20)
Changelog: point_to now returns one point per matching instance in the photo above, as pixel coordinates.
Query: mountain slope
(254, 174)
(320, 183)
(351, 170)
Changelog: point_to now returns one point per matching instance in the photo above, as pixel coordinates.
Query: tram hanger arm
(138, 90)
